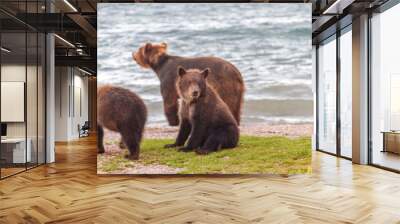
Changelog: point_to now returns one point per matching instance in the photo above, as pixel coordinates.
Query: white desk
(18, 151)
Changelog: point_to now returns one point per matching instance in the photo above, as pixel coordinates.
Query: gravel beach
(262, 130)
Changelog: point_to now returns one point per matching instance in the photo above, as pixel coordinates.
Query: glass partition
(13, 94)
(346, 93)
(385, 89)
(327, 96)
(41, 97)
(32, 96)
(22, 77)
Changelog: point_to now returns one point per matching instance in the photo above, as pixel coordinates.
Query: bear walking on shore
(226, 79)
(121, 110)
(204, 115)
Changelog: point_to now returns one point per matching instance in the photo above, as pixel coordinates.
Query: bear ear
(205, 72)
(164, 45)
(181, 71)
(147, 47)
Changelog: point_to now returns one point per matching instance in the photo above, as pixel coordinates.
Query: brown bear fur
(121, 110)
(226, 78)
(204, 115)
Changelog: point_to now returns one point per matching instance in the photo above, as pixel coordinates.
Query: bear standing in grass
(226, 79)
(121, 110)
(211, 125)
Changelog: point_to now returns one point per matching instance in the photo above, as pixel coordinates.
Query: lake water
(269, 43)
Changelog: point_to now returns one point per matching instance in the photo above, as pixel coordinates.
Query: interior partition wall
(385, 89)
(334, 94)
(382, 89)
(326, 105)
(23, 92)
(345, 108)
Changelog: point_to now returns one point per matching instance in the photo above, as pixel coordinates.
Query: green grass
(276, 155)
(116, 163)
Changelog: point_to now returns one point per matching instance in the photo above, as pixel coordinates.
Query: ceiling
(75, 22)
(332, 15)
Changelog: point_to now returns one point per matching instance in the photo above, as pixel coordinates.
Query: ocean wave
(269, 43)
(277, 119)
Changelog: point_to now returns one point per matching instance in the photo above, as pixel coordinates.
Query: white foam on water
(269, 43)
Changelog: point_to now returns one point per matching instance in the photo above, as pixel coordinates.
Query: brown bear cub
(226, 79)
(121, 110)
(204, 115)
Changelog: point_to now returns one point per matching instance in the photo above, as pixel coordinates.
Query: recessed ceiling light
(84, 71)
(338, 6)
(70, 5)
(64, 40)
(5, 50)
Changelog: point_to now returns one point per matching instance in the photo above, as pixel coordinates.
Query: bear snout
(195, 94)
(134, 56)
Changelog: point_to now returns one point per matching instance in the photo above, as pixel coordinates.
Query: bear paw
(170, 145)
(100, 151)
(185, 149)
(132, 157)
(202, 151)
(122, 145)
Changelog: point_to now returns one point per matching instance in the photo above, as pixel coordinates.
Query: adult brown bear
(226, 78)
(211, 125)
(121, 110)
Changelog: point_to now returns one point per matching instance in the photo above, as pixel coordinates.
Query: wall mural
(204, 88)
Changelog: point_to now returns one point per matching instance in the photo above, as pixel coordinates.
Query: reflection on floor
(69, 191)
(386, 159)
(10, 171)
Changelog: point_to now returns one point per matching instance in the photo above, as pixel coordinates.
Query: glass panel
(23, 90)
(13, 87)
(32, 89)
(41, 99)
(31, 100)
(327, 96)
(386, 89)
(346, 94)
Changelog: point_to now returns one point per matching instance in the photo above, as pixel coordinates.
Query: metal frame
(316, 97)
(389, 4)
(44, 71)
(317, 89)
(26, 89)
(0, 91)
(339, 32)
(338, 76)
(369, 79)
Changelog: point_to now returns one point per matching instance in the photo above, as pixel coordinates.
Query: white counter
(19, 153)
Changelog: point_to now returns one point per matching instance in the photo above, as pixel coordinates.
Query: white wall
(16, 73)
(62, 81)
(33, 126)
(80, 110)
(71, 94)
